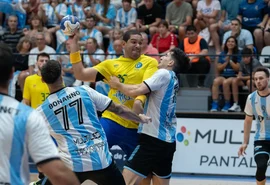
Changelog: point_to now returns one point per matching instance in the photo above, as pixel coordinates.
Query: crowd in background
(232, 28)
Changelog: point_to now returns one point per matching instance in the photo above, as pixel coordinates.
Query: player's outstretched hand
(114, 82)
(242, 150)
(145, 119)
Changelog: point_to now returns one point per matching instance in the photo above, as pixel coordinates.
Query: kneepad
(261, 161)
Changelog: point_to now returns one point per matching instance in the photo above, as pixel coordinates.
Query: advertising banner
(210, 146)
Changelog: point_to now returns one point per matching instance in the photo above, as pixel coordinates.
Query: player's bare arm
(126, 113)
(80, 72)
(129, 90)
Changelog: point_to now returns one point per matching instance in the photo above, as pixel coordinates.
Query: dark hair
(235, 49)
(6, 64)
(43, 54)
(235, 19)
(164, 23)
(127, 34)
(182, 61)
(94, 41)
(191, 28)
(263, 69)
(51, 71)
(92, 17)
(246, 52)
(129, 1)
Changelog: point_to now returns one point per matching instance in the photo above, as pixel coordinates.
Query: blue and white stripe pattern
(71, 115)
(126, 18)
(259, 107)
(160, 105)
(22, 132)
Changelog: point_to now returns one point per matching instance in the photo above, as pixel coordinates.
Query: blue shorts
(125, 138)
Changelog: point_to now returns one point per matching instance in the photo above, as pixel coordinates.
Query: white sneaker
(235, 108)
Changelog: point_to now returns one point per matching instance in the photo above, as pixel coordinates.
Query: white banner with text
(210, 146)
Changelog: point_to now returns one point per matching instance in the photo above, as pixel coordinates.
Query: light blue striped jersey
(94, 34)
(160, 105)
(111, 14)
(71, 115)
(126, 18)
(23, 132)
(259, 106)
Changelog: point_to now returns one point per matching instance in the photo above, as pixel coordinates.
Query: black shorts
(108, 176)
(261, 147)
(151, 156)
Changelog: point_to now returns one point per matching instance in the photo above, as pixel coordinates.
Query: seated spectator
(253, 14)
(197, 47)
(61, 39)
(149, 17)
(34, 7)
(118, 48)
(93, 55)
(229, 11)
(267, 28)
(41, 47)
(207, 13)
(12, 35)
(243, 36)
(179, 16)
(148, 49)
(126, 17)
(68, 76)
(35, 27)
(227, 67)
(91, 31)
(105, 14)
(243, 77)
(77, 10)
(115, 34)
(164, 40)
(87, 7)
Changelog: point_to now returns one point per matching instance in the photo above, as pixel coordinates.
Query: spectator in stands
(229, 11)
(207, 13)
(228, 66)
(164, 40)
(77, 10)
(248, 64)
(87, 7)
(197, 47)
(118, 48)
(93, 55)
(126, 17)
(179, 16)
(35, 90)
(91, 31)
(68, 76)
(61, 39)
(12, 35)
(54, 11)
(21, 60)
(115, 34)
(148, 49)
(253, 14)
(105, 13)
(41, 47)
(35, 27)
(34, 7)
(243, 36)
(149, 17)
(267, 28)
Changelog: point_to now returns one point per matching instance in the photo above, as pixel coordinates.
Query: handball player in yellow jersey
(131, 68)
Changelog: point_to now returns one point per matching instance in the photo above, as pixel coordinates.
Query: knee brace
(261, 161)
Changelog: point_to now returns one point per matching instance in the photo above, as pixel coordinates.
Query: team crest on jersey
(138, 65)
(121, 97)
(116, 65)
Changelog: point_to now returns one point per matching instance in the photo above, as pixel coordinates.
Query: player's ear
(123, 43)
(171, 63)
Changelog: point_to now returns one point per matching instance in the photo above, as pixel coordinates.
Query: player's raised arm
(80, 73)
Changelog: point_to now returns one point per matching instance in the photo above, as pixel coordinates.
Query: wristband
(147, 26)
(75, 57)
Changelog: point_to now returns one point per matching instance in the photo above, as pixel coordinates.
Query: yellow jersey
(35, 90)
(128, 71)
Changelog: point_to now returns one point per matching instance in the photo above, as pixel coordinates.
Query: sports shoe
(226, 107)
(235, 108)
(214, 107)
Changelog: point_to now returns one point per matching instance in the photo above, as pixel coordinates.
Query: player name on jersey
(63, 99)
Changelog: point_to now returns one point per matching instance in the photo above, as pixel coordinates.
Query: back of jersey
(22, 130)
(71, 114)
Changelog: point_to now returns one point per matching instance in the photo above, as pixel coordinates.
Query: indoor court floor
(201, 180)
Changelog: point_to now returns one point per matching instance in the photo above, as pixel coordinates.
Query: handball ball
(69, 24)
